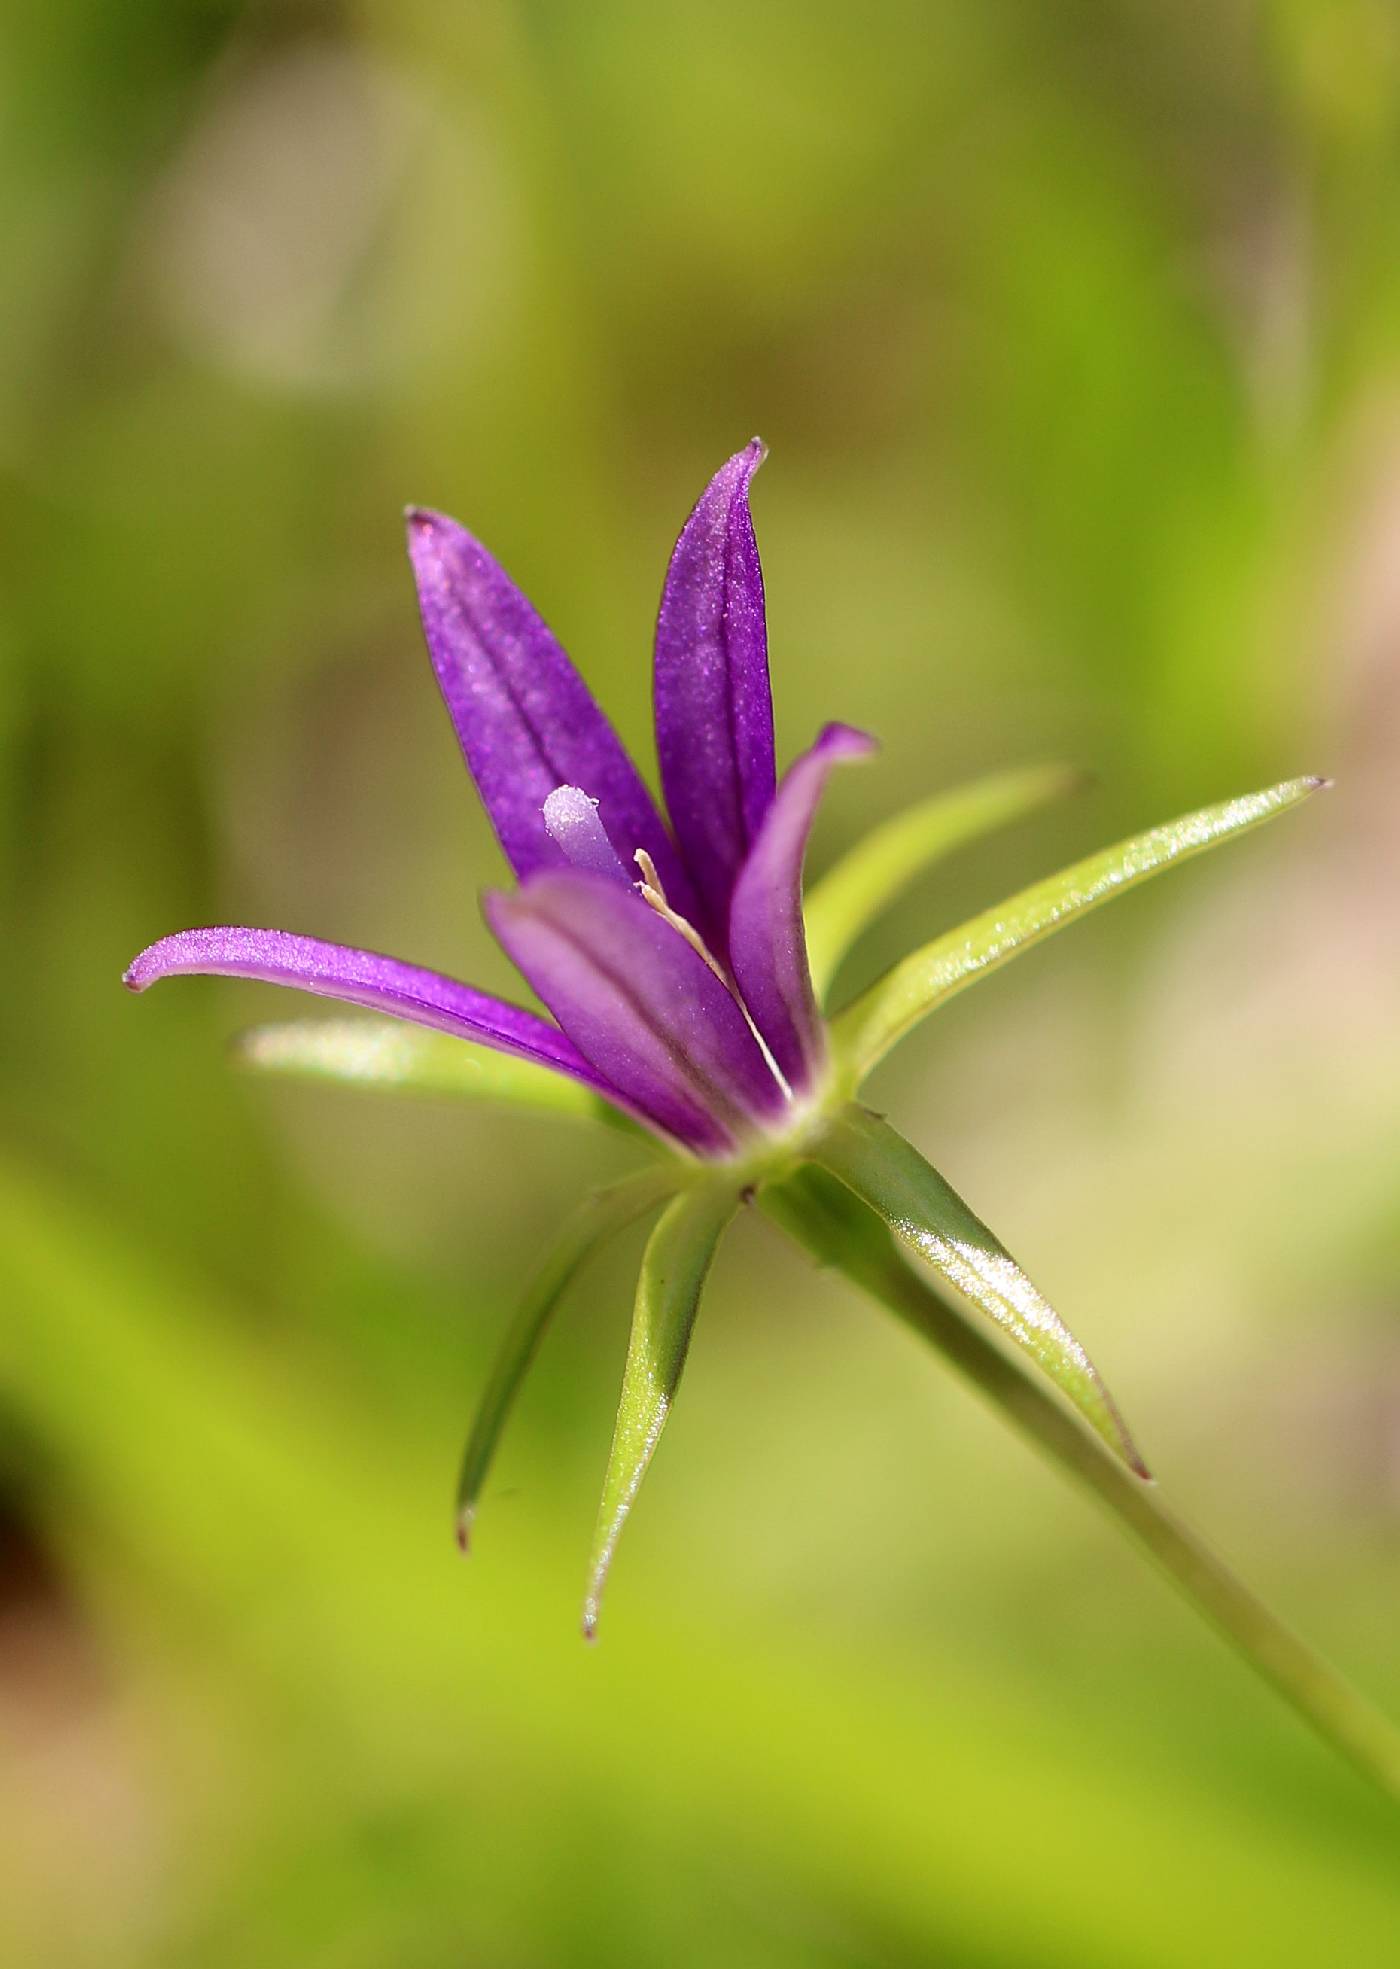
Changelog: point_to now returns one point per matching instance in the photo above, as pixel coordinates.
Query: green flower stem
(842, 1233)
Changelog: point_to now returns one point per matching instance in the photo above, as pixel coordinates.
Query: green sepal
(843, 1234)
(921, 1209)
(596, 1218)
(919, 983)
(677, 1258)
(395, 1056)
(851, 894)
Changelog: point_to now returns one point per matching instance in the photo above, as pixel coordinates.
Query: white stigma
(572, 823)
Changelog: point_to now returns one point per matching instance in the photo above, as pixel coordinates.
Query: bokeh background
(1074, 329)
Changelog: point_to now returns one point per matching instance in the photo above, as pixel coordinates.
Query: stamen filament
(651, 892)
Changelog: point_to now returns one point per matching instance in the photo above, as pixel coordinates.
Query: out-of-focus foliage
(1075, 333)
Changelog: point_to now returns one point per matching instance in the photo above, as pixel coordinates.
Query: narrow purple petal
(767, 943)
(571, 820)
(641, 1006)
(362, 977)
(524, 718)
(714, 711)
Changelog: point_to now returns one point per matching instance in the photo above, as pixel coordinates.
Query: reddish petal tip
(847, 741)
(422, 520)
(139, 972)
(463, 1531)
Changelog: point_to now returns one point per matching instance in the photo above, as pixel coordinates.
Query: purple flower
(677, 957)
(672, 958)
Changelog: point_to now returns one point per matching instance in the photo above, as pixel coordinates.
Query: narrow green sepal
(844, 1234)
(397, 1057)
(924, 1212)
(919, 983)
(596, 1218)
(677, 1258)
(866, 880)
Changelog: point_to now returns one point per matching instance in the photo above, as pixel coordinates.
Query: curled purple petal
(524, 718)
(641, 1006)
(362, 977)
(572, 823)
(714, 711)
(767, 943)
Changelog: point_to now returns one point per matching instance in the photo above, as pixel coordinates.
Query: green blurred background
(1074, 329)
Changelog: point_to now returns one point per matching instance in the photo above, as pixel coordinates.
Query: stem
(842, 1233)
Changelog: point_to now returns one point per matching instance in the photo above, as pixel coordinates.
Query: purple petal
(641, 1006)
(767, 943)
(714, 712)
(525, 719)
(361, 977)
(572, 823)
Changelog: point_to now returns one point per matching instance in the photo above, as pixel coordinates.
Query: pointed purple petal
(714, 712)
(362, 977)
(641, 1006)
(767, 943)
(524, 718)
(572, 823)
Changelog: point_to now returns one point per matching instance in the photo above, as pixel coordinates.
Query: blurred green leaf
(910, 1196)
(595, 1219)
(921, 982)
(850, 896)
(401, 1058)
(677, 1258)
